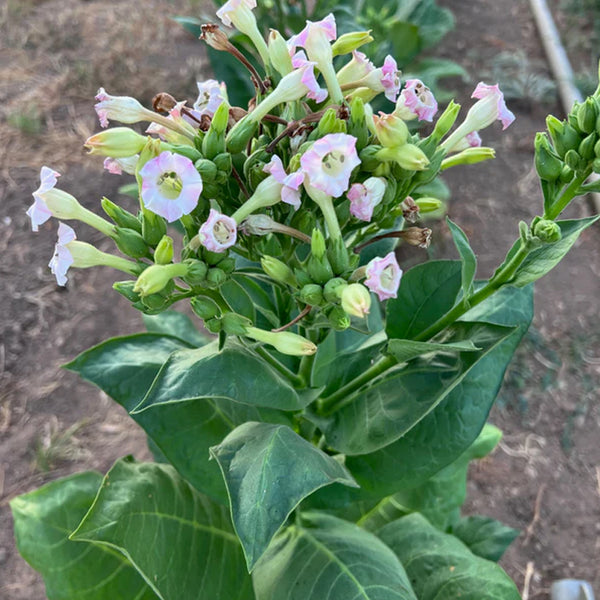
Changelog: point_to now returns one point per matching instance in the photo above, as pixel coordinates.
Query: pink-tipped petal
(383, 276)
(62, 259)
(418, 100)
(219, 232)
(503, 114)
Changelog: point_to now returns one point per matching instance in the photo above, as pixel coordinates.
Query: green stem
(294, 379)
(569, 193)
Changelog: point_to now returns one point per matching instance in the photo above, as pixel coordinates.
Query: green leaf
(236, 373)
(438, 499)
(238, 299)
(124, 368)
(325, 558)
(485, 537)
(176, 324)
(262, 300)
(546, 257)
(190, 24)
(406, 41)
(269, 470)
(441, 566)
(44, 520)
(468, 259)
(388, 409)
(181, 543)
(405, 350)
(427, 292)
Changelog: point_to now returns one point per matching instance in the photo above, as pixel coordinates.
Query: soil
(544, 478)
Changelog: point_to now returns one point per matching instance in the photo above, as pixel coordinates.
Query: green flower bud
(118, 142)
(216, 277)
(356, 300)
(445, 121)
(333, 289)
(153, 227)
(326, 124)
(163, 254)
(338, 319)
(156, 277)
(469, 156)
(408, 157)
(317, 244)
(154, 302)
(285, 342)
(295, 163)
(547, 231)
(587, 115)
(188, 151)
(338, 256)
(311, 294)
(428, 204)
(213, 325)
(125, 288)
(596, 165)
(566, 175)
(223, 162)
(207, 169)
(278, 270)
(547, 164)
(302, 277)
(319, 269)
(120, 216)
(279, 54)
(197, 272)
(586, 148)
(227, 265)
(569, 140)
(205, 308)
(238, 137)
(234, 324)
(357, 125)
(573, 160)
(369, 159)
(130, 242)
(214, 140)
(348, 42)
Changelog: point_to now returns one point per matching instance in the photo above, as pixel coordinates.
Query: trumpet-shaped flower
(356, 300)
(383, 276)
(364, 197)
(329, 162)
(416, 101)
(471, 140)
(290, 192)
(62, 259)
(116, 166)
(118, 108)
(314, 91)
(171, 185)
(39, 212)
(211, 94)
(491, 106)
(384, 79)
(219, 232)
(358, 68)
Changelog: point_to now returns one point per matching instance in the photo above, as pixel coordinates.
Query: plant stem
(570, 192)
(294, 379)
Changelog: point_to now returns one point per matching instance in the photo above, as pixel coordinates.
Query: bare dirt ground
(545, 477)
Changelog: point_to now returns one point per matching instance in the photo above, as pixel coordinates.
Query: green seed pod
(587, 115)
(547, 231)
(234, 324)
(357, 125)
(319, 270)
(338, 256)
(333, 289)
(163, 254)
(586, 148)
(566, 175)
(125, 288)
(120, 216)
(207, 169)
(569, 140)
(547, 164)
(573, 160)
(154, 301)
(311, 294)
(227, 265)
(213, 325)
(338, 319)
(216, 277)
(197, 272)
(205, 308)
(130, 242)
(223, 162)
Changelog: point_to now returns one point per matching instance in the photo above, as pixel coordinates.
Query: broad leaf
(269, 470)
(45, 518)
(180, 542)
(427, 292)
(485, 537)
(236, 373)
(405, 350)
(124, 368)
(176, 324)
(441, 566)
(325, 558)
(380, 414)
(545, 258)
(467, 256)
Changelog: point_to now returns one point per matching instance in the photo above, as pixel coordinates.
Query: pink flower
(170, 185)
(61, 261)
(116, 166)
(364, 197)
(315, 33)
(290, 192)
(329, 163)
(314, 91)
(230, 10)
(219, 232)
(118, 108)
(493, 99)
(473, 139)
(384, 79)
(358, 68)
(416, 100)
(211, 94)
(39, 212)
(383, 276)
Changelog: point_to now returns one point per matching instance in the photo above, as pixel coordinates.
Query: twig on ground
(528, 575)
(536, 515)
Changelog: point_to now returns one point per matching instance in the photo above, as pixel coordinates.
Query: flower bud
(118, 108)
(278, 271)
(213, 325)
(390, 130)
(120, 216)
(223, 162)
(446, 120)
(369, 158)
(238, 137)
(125, 288)
(279, 53)
(130, 242)
(547, 164)
(163, 254)
(586, 148)
(197, 271)
(587, 115)
(333, 289)
(207, 169)
(569, 139)
(573, 160)
(356, 300)
(428, 204)
(338, 255)
(408, 157)
(216, 277)
(348, 42)
(326, 125)
(214, 140)
(317, 244)
(118, 142)
(338, 319)
(234, 324)
(205, 308)
(357, 125)
(311, 294)
(547, 231)
(470, 156)
(566, 175)
(153, 227)
(319, 269)
(285, 342)
(156, 277)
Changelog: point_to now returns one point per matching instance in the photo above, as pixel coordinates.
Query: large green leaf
(441, 567)
(269, 470)
(405, 350)
(176, 324)
(485, 537)
(380, 414)
(438, 499)
(124, 368)
(324, 558)
(427, 292)
(45, 518)
(181, 543)
(236, 373)
(546, 257)
(445, 433)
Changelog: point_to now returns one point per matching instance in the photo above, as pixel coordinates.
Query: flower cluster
(289, 190)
